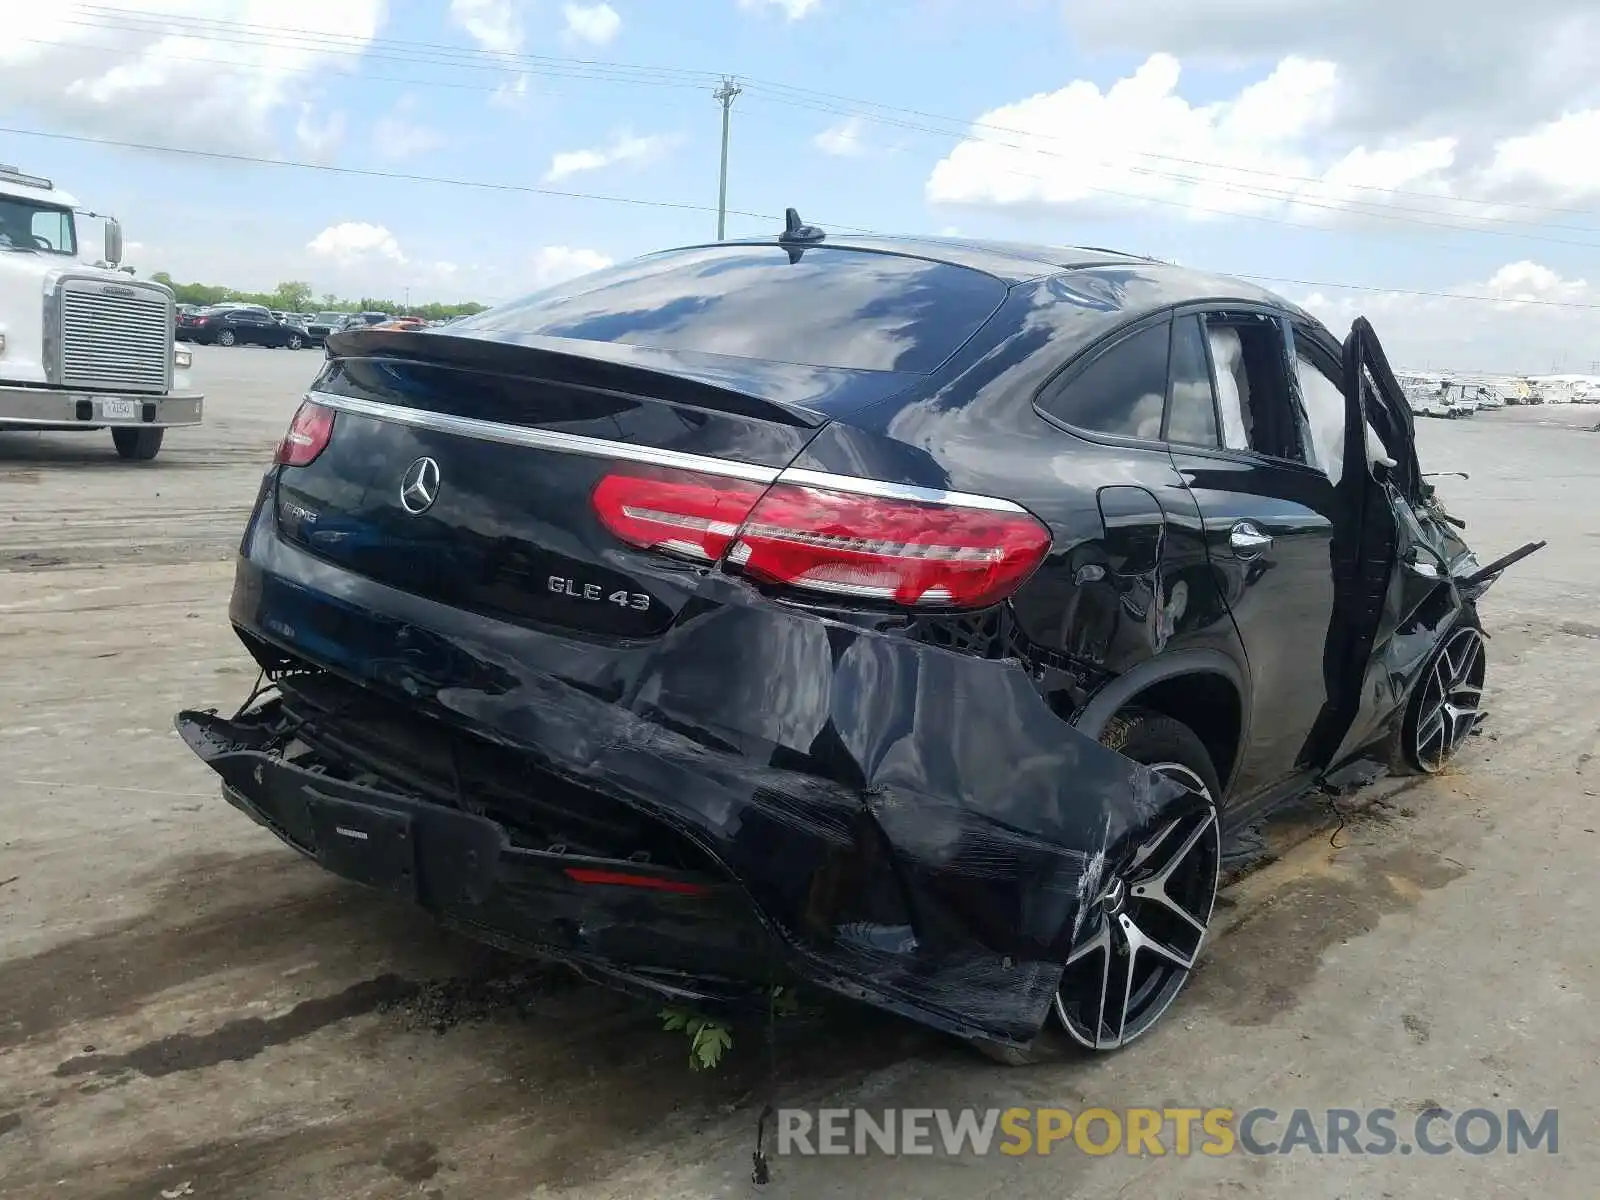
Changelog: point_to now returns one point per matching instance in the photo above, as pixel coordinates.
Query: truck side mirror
(113, 241)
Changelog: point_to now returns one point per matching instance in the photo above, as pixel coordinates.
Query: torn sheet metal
(915, 828)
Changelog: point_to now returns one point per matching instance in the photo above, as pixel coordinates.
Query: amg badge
(593, 591)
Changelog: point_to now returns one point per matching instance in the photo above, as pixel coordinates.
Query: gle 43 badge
(594, 593)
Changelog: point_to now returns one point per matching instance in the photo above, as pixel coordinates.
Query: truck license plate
(118, 410)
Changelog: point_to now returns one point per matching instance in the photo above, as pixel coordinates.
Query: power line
(1288, 198)
(1359, 287)
(259, 68)
(375, 173)
(837, 104)
(1285, 197)
(687, 207)
(868, 110)
(386, 49)
(1363, 208)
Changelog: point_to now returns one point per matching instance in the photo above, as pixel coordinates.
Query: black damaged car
(911, 618)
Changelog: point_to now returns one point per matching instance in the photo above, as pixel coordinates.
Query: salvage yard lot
(185, 1002)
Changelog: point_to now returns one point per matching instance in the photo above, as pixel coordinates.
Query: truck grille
(115, 341)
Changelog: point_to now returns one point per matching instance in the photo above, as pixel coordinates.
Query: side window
(1192, 402)
(1122, 391)
(1324, 401)
(1252, 382)
(51, 227)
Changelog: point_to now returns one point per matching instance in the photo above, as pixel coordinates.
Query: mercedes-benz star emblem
(420, 486)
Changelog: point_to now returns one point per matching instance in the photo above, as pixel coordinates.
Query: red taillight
(823, 540)
(914, 554)
(649, 883)
(677, 511)
(307, 437)
(199, 320)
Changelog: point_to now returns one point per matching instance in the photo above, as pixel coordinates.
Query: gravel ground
(188, 1009)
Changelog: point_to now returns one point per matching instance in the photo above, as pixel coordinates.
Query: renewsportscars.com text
(1213, 1132)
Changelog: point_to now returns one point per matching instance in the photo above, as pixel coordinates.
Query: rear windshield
(831, 308)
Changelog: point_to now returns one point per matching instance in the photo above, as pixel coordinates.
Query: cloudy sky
(1387, 158)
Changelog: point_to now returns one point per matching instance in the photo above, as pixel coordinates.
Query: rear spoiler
(740, 387)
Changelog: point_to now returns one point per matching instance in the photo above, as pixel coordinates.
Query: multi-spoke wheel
(1446, 706)
(1142, 934)
(1145, 933)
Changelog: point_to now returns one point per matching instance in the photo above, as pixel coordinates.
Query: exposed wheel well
(1208, 704)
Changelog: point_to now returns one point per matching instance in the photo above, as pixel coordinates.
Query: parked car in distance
(402, 323)
(904, 617)
(241, 325)
(361, 319)
(322, 324)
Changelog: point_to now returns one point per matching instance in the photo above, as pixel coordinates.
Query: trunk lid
(464, 470)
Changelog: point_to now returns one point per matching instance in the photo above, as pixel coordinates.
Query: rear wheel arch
(1203, 689)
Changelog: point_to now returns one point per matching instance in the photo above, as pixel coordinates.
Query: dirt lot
(188, 1009)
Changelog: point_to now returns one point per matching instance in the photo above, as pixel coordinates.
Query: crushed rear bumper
(897, 823)
(671, 932)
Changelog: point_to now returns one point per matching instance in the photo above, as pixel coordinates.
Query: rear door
(1270, 515)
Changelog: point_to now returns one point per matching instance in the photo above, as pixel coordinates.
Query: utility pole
(724, 95)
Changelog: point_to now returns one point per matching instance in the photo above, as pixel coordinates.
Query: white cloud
(496, 25)
(319, 138)
(792, 10)
(593, 24)
(1526, 331)
(557, 264)
(1271, 149)
(147, 72)
(1415, 66)
(353, 242)
(513, 94)
(624, 148)
(1556, 160)
(396, 135)
(843, 139)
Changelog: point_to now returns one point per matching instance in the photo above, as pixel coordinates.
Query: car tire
(226, 338)
(1172, 749)
(137, 445)
(1445, 704)
(294, 342)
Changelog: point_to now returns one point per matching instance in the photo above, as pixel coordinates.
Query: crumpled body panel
(916, 827)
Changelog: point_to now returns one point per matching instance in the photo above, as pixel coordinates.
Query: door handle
(1248, 541)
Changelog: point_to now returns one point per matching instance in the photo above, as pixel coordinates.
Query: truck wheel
(137, 445)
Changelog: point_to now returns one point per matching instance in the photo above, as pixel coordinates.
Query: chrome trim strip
(896, 491)
(543, 439)
(573, 443)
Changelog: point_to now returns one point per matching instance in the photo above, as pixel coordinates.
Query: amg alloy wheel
(1145, 935)
(1447, 705)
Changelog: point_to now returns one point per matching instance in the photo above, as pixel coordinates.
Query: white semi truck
(83, 344)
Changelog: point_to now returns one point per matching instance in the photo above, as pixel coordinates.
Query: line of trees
(295, 295)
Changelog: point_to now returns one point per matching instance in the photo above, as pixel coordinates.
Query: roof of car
(1020, 262)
